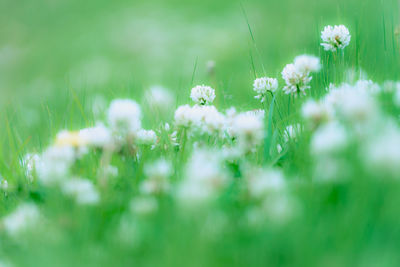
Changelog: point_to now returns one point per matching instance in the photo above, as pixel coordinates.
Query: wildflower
(146, 137)
(82, 190)
(328, 139)
(316, 112)
(54, 164)
(296, 80)
(144, 205)
(124, 116)
(261, 182)
(336, 37)
(159, 98)
(97, 136)
(204, 177)
(307, 64)
(263, 85)
(382, 154)
(183, 116)
(67, 138)
(202, 94)
(25, 216)
(157, 175)
(248, 129)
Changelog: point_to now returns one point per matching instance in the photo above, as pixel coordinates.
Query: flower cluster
(297, 75)
(336, 37)
(264, 85)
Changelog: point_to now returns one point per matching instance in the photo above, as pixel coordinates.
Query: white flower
(25, 216)
(144, 205)
(54, 164)
(263, 85)
(146, 137)
(202, 94)
(336, 37)
(124, 116)
(159, 98)
(248, 129)
(382, 153)
(98, 136)
(307, 64)
(204, 119)
(70, 138)
(82, 190)
(157, 174)
(261, 182)
(296, 80)
(329, 138)
(204, 177)
(316, 112)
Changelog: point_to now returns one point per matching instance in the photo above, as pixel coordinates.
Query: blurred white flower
(329, 138)
(124, 116)
(307, 64)
(82, 190)
(204, 177)
(97, 136)
(159, 98)
(336, 37)
(53, 165)
(202, 94)
(382, 152)
(261, 182)
(248, 129)
(143, 205)
(263, 85)
(316, 112)
(146, 137)
(25, 216)
(157, 174)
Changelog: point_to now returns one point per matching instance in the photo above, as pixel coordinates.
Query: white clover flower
(336, 37)
(296, 80)
(183, 116)
(263, 85)
(261, 182)
(157, 174)
(204, 177)
(146, 137)
(24, 217)
(248, 129)
(82, 190)
(328, 139)
(202, 94)
(97, 136)
(203, 119)
(159, 98)
(382, 154)
(307, 64)
(144, 205)
(124, 116)
(316, 112)
(53, 165)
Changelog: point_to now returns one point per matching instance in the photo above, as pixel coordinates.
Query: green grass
(57, 56)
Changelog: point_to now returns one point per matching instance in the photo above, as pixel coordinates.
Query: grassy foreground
(293, 188)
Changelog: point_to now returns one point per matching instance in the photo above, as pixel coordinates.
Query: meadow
(211, 133)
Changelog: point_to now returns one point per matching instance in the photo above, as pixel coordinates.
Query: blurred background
(55, 55)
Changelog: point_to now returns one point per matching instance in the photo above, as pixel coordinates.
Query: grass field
(294, 180)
